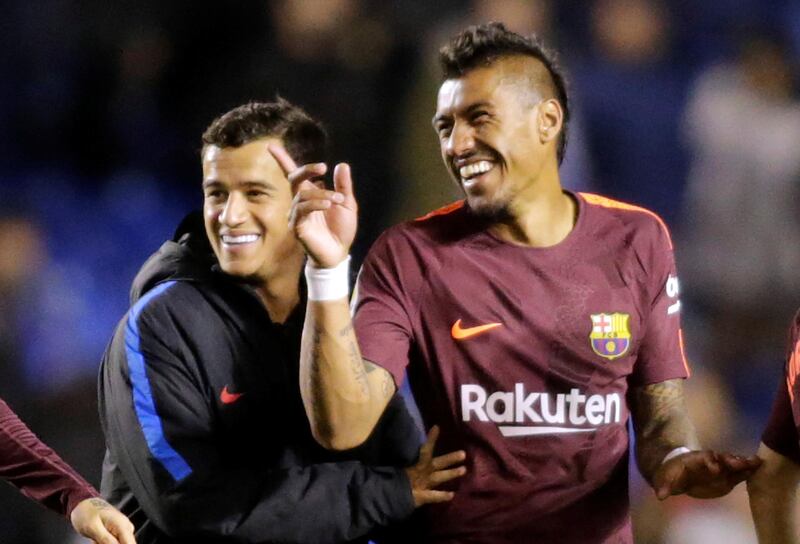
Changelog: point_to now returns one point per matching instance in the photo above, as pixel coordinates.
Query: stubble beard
(498, 213)
(494, 209)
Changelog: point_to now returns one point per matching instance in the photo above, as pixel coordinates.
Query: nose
(235, 211)
(461, 140)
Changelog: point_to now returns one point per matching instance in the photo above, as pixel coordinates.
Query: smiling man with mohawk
(529, 320)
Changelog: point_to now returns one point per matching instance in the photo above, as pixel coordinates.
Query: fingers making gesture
(324, 221)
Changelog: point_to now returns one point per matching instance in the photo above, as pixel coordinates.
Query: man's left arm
(668, 452)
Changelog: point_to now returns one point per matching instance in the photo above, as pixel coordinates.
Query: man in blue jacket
(199, 388)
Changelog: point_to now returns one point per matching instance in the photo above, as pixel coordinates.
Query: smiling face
(246, 205)
(495, 133)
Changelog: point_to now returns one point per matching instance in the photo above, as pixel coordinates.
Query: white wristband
(676, 452)
(328, 283)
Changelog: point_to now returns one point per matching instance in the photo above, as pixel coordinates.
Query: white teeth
(242, 239)
(474, 169)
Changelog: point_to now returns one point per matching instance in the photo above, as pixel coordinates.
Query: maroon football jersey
(523, 356)
(782, 433)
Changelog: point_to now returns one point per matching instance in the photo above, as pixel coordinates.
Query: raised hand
(430, 472)
(703, 474)
(324, 221)
(102, 523)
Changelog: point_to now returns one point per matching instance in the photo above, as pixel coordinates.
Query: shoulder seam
(444, 210)
(606, 202)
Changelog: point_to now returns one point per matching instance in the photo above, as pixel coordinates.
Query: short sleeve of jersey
(660, 354)
(781, 432)
(382, 310)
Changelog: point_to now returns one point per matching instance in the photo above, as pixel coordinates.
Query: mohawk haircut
(481, 45)
(303, 137)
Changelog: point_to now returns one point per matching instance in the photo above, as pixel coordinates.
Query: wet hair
(303, 137)
(481, 45)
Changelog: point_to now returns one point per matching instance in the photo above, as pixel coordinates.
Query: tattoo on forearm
(359, 369)
(661, 398)
(311, 381)
(661, 423)
(354, 358)
(316, 358)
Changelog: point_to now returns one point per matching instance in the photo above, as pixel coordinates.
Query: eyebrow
(247, 184)
(477, 105)
(437, 118)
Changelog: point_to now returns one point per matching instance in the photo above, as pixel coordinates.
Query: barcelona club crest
(610, 335)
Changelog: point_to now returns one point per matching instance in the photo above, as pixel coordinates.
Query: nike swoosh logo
(462, 334)
(227, 397)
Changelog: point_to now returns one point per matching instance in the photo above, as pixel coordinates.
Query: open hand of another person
(430, 472)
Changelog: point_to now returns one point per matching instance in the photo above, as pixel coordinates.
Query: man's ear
(550, 120)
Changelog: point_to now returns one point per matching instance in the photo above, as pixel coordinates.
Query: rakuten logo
(565, 413)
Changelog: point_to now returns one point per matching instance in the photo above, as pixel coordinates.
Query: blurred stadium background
(689, 108)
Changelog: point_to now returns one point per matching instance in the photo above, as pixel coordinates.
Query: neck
(541, 216)
(280, 292)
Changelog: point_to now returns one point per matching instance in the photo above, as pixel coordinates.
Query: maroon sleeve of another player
(661, 354)
(382, 321)
(35, 469)
(780, 434)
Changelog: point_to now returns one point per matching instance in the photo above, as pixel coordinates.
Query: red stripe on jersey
(683, 354)
(444, 210)
(610, 203)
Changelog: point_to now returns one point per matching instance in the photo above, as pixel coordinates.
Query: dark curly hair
(481, 45)
(304, 138)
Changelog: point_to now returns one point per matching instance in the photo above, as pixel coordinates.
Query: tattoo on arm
(311, 382)
(99, 503)
(358, 366)
(387, 386)
(354, 358)
(661, 423)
